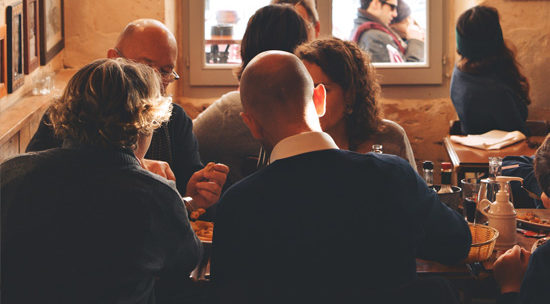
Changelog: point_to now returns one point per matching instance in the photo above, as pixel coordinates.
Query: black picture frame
(31, 34)
(52, 29)
(15, 67)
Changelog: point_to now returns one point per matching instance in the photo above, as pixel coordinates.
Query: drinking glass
(470, 193)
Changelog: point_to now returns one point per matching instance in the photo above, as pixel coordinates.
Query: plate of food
(534, 219)
(204, 230)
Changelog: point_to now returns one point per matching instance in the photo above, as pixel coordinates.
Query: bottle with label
(446, 172)
(377, 149)
(428, 168)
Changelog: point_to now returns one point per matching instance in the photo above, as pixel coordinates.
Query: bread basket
(483, 243)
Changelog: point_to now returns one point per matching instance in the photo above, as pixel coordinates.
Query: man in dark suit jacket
(319, 223)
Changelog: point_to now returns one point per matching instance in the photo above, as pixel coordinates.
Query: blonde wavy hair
(109, 102)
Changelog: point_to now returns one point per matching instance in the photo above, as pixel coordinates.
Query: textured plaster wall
(92, 26)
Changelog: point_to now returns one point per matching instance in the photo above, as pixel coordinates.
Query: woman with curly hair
(487, 89)
(84, 223)
(353, 117)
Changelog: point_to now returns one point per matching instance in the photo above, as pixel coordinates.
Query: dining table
(467, 159)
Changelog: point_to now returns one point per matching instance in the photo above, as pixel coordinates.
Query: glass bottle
(428, 168)
(377, 149)
(446, 172)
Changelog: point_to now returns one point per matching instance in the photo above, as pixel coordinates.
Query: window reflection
(391, 31)
(224, 27)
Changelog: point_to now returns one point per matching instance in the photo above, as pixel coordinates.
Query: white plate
(543, 214)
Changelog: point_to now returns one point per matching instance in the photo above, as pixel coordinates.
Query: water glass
(470, 192)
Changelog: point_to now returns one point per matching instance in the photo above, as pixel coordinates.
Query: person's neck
(288, 131)
(339, 134)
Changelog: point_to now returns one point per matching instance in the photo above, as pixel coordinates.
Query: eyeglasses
(168, 75)
(392, 6)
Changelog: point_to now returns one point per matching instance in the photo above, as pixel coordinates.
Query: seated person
(273, 27)
(85, 223)
(353, 116)
(403, 21)
(522, 166)
(524, 277)
(308, 10)
(174, 147)
(373, 34)
(351, 224)
(487, 88)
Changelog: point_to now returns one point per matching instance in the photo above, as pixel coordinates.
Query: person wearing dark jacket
(373, 34)
(85, 223)
(351, 224)
(487, 88)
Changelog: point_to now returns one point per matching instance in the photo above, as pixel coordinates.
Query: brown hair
(309, 5)
(481, 23)
(272, 27)
(109, 102)
(542, 166)
(349, 67)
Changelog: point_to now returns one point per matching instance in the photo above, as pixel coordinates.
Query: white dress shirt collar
(302, 143)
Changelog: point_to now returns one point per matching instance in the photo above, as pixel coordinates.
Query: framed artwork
(3, 61)
(31, 35)
(14, 21)
(52, 32)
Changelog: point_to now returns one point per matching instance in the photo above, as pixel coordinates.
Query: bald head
(150, 42)
(276, 83)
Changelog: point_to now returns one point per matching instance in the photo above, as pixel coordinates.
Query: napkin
(492, 140)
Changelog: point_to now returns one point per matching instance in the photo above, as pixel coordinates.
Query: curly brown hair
(481, 23)
(109, 102)
(349, 67)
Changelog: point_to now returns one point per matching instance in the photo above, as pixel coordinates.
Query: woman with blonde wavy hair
(353, 118)
(84, 223)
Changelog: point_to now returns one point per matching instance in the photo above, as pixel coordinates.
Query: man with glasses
(173, 152)
(374, 35)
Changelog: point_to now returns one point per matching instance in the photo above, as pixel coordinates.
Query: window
(221, 25)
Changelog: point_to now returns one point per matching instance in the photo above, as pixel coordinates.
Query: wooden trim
(4, 61)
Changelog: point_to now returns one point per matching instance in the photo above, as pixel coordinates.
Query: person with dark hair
(85, 223)
(273, 27)
(487, 88)
(403, 21)
(308, 10)
(313, 205)
(173, 152)
(372, 32)
(524, 277)
(353, 117)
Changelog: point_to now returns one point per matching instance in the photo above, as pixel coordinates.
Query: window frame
(429, 72)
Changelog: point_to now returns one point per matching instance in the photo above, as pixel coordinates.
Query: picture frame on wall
(3, 61)
(15, 45)
(52, 29)
(31, 35)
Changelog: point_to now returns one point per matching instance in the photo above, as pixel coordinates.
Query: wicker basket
(483, 243)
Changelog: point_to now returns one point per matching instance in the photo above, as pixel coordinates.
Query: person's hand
(510, 268)
(205, 186)
(158, 167)
(415, 32)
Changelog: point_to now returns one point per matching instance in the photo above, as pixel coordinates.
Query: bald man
(320, 224)
(173, 152)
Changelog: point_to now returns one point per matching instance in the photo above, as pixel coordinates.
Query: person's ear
(253, 126)
(319, 99)
(545, 200)
(112, 53)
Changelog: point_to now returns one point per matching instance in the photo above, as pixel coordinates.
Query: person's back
(89, 226)
(334, 221)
